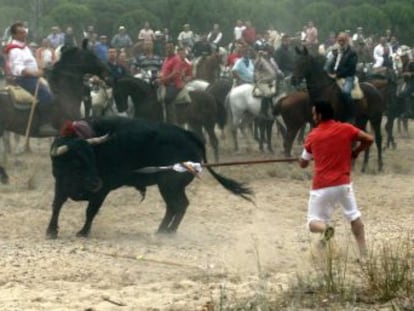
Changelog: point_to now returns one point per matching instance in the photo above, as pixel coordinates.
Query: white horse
(240, 103)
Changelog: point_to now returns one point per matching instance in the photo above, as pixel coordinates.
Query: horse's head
(80, 61)
(303, 65)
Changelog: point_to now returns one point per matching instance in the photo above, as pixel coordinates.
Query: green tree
(134, 21)
(401, 16)
(69, 14)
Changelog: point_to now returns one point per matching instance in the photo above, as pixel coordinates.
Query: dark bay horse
(200, 113)
(296, 111)
(66, 83)
(208, 67)
(321, 87)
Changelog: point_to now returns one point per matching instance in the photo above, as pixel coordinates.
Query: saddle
(264, 90)
(183, 97)
(356, 92)
(19, 97)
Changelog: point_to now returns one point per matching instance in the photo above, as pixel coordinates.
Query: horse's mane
(318, 62)
(137, 84)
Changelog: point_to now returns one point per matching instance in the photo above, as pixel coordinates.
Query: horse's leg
(4, 178)
(269, 126)
(6, 142)
(362, 124)
(261, 124)
(290, 137)
(213, 140)
(378, 141)
(301, 136)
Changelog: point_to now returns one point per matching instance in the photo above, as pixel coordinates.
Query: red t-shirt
(172, 64)
(232, 58)
(330, 144)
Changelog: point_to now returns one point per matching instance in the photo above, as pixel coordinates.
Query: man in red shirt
(171, 78)
(330, 146)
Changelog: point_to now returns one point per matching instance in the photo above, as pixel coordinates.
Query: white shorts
(322, 203)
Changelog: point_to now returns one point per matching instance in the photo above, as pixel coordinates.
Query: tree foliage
(288, 16)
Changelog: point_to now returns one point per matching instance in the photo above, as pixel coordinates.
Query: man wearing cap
(26, 73)
(186, 38)
(265, 78)
(121, 40)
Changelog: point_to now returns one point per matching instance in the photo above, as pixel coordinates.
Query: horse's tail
(277, 110)
(277, 107)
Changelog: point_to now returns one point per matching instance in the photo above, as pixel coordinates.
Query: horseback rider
(343, 66)
(172, 78)
(407, 72)
(265, 74)
(201, 49)
(243, 69)
(26, 73)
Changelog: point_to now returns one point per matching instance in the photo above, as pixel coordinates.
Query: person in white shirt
(214, 36)
(146, 34)
(26, 73)
(381, 51)
(186, 37)
(238, 30)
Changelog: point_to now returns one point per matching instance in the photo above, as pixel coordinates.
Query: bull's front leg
(93, 207)
(58, 201)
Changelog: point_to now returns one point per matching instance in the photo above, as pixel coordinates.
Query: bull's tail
(235, 187)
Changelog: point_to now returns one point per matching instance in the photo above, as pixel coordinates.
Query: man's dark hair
(324, 108)
(14, 27)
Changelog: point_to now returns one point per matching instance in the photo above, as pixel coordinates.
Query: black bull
(88, 171)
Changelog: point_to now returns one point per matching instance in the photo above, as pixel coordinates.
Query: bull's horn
(98, 140)
(55, 152)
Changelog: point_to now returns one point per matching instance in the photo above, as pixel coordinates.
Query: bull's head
(74, 165)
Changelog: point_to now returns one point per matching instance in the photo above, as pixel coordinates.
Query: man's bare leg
(357, 227)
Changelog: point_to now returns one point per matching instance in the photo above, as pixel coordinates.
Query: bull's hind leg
(177, 203)
(93, 207)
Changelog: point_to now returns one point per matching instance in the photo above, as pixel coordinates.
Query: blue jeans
(348, 86)
(346, 92)
(44, 96)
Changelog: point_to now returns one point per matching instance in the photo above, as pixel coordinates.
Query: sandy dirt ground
(222, 246)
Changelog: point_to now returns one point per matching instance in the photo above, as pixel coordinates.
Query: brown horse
(200, 113)
(66, 82)
(321, 87)
(296, 111)
(208, 67)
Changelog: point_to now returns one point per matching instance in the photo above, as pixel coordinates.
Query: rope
(195, 168)
(249, 162)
